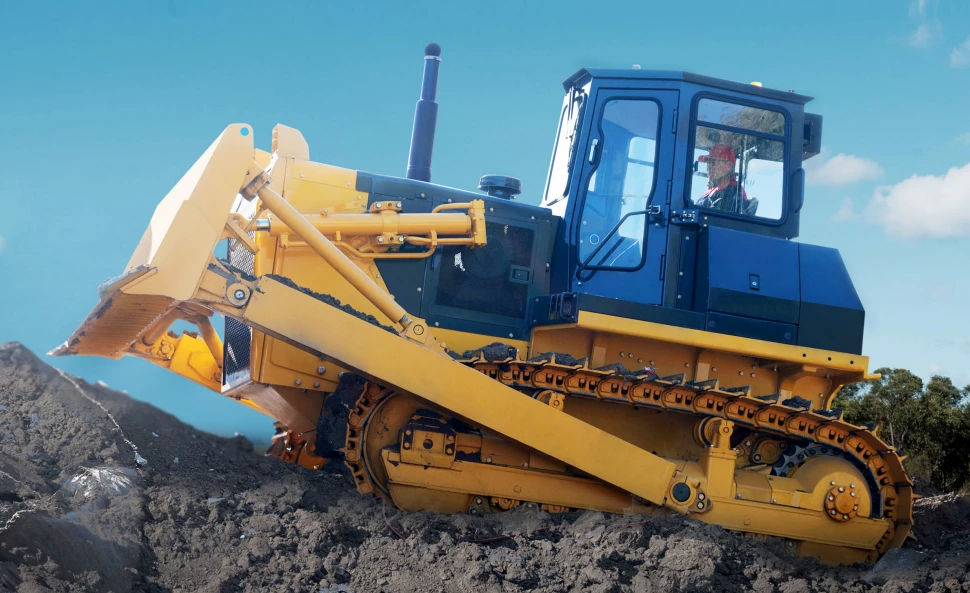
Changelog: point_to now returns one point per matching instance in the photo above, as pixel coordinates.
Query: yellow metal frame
(173, 274)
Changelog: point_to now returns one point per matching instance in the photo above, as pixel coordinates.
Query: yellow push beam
(391, 360)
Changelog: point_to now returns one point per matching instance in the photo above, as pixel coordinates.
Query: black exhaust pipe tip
(432, 49)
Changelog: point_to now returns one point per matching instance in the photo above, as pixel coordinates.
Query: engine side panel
(487, 290)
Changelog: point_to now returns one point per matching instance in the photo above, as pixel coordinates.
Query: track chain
(893, 495)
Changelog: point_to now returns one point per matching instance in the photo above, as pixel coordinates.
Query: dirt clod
(79, 513)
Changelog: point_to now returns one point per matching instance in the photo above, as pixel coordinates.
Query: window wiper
(582, 267)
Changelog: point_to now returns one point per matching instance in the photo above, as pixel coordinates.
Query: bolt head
(378, 205)
(316, 384)
(478, 501)
(298, 382)
(321, 370)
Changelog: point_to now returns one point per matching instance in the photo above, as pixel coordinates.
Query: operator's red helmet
(719, 151)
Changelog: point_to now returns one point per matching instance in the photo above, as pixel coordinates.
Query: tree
(929, 424)
(889, 402)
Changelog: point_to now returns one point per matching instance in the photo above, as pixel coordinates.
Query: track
(812, 432)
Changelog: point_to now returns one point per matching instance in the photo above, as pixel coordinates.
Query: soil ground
(100, 492)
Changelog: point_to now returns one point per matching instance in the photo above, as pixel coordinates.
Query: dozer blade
(171, 258)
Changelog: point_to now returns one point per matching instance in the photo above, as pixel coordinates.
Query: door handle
(592, 150)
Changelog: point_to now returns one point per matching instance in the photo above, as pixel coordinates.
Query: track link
(790, 419)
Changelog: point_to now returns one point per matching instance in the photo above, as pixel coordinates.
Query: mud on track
(78, 512)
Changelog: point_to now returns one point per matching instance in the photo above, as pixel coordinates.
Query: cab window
(738, 161)
(619, 189)
(561, 168)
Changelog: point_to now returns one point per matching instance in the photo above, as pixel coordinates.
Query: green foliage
(930, 424)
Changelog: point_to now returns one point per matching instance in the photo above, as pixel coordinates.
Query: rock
(895, 563)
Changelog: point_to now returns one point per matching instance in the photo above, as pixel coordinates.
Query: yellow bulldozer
(650, 336)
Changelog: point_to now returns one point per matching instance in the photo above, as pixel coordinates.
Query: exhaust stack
(425, 117)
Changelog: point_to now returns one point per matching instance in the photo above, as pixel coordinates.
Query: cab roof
(709, 81)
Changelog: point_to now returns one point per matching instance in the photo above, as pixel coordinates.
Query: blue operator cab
(679, 196)
(671, 198)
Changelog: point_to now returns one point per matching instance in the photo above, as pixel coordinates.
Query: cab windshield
(561, 168)
(739, 160)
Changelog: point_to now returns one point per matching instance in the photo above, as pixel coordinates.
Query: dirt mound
(99, 492)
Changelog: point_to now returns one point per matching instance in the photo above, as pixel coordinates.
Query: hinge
(674, 128)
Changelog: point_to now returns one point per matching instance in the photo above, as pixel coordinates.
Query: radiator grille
(238, 336)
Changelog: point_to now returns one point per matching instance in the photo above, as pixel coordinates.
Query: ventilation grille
(238, 336)
(480, 279)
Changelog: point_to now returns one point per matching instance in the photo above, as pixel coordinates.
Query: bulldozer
(648, 337)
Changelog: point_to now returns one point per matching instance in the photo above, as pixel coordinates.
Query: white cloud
(929, 30)
(960, 56)
(841, 169)
(846, 211)
(962, 139)
(925, 207)
(926, 35)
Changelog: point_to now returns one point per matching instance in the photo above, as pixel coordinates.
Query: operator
(724, 193)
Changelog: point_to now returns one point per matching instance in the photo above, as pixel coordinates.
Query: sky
(104, 106)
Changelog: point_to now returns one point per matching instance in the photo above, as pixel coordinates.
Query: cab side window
(739, 160)
(614, 219)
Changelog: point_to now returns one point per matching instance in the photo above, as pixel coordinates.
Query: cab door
(619, 231)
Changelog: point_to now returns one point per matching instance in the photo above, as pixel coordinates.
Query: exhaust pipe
(425, 117)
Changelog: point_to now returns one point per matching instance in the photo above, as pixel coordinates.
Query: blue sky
(104, 106)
